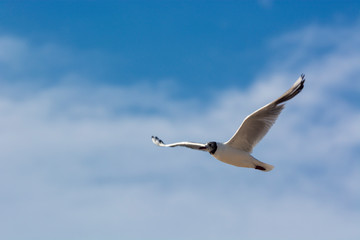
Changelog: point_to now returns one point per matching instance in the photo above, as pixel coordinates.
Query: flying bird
(237, 151)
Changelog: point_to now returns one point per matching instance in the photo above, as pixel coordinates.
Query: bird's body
(237, 150)
(239, 158)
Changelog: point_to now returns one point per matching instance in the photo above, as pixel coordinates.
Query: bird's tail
(263, 166)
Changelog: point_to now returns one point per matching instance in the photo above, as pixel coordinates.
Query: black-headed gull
(237, 150)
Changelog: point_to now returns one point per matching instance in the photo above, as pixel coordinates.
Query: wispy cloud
(77, 160)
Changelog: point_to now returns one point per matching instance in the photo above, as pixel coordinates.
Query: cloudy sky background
(84, 85)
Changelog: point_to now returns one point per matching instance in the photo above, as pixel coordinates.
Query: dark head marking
(212, 146)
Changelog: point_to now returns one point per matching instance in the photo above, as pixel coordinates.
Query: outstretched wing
(197, 146)
(256, 125)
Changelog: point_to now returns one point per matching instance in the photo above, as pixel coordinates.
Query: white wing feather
(256, 125)
(197, 146)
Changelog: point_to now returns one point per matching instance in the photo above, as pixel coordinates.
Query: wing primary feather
(293, 91)
(158, 141)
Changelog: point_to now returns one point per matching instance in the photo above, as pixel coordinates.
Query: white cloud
(77, 161)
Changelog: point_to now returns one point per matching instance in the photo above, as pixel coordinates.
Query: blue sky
(203, 43)
(83, 86)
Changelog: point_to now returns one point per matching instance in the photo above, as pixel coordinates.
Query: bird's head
(211, 147)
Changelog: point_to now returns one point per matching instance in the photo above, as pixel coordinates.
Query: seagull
(237, 151)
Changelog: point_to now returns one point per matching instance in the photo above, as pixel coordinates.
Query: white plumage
(237, 150)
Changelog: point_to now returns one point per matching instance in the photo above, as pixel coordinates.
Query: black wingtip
(293, 91)
(302, 79)
(302, 82)
(156, 140)
(301, 86)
